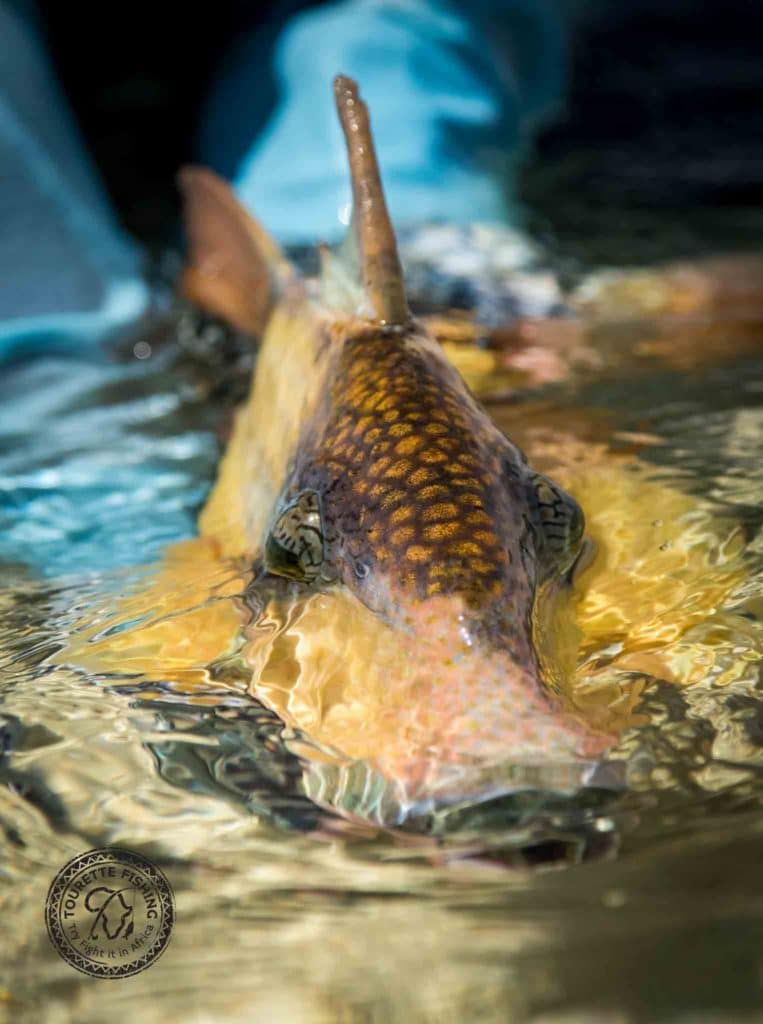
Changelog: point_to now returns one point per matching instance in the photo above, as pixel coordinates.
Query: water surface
(634, 904)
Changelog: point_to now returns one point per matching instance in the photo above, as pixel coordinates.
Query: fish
(392, 576)
(420, 556)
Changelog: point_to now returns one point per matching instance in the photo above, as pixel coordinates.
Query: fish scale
(403, 453)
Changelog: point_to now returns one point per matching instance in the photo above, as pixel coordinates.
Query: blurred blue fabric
(453, 89)
(68, 274)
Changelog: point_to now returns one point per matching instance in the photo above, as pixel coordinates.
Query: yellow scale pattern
(419, 465)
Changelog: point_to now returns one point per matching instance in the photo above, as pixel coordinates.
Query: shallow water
(639, 903)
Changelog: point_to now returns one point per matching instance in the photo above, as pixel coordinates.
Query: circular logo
(110, 913)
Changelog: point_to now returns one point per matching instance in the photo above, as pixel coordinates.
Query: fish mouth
(505, 795)
(393, 723)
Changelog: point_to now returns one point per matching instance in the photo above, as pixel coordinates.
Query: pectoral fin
(234, 269)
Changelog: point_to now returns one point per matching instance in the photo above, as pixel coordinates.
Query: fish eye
(294, 547)
(561, 521)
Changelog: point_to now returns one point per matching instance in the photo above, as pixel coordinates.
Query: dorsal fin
(233, 267)
(379, 262)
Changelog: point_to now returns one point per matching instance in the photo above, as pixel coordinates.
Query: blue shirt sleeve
(453, 90)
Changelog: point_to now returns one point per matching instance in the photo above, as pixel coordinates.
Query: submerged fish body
(381, 506)
(383, 568)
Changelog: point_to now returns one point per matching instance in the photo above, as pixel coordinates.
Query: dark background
(664, 121)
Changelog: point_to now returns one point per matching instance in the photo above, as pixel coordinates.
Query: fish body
(365, 485)
(381, 565)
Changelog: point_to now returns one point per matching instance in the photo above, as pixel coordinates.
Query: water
(614, 905)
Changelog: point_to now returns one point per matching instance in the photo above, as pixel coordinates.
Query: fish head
(402, 490)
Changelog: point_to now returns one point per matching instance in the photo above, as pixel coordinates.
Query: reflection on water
(127, 720)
